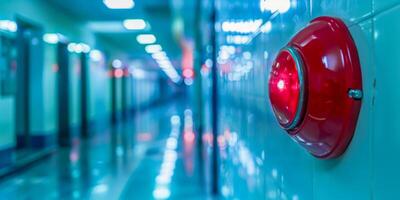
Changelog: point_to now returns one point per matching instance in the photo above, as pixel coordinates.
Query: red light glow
(118, 73)
(188, 73)
(284, 88)
(189, 136)
(208, 138)
(55, 68)
(144, 137)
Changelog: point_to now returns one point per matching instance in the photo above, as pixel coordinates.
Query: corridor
(199, 99)
(152, 155)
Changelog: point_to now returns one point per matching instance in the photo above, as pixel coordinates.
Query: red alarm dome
(286, 88)
(315, 87)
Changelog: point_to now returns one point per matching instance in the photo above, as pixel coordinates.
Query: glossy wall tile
(289, 172)
(386, 138)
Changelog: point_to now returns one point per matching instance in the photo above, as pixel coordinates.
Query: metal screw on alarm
(355, 94)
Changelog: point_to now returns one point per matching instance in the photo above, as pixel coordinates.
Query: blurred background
(98, 99)
(168, 99)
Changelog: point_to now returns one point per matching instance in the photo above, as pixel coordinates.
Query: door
(29, 93)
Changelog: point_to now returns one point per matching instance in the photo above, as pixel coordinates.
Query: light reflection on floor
(152, 156)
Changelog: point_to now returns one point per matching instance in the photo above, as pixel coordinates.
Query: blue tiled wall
(258, 159)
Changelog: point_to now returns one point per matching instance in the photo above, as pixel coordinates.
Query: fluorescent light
(85, 48)
(166, 67)
(71, 47)
(8, 25)
(247, 26)
(153, 48)
(161, 193)
(169, 70)
(78, 48)
(238, 39)
(281, 6)
(188, 81)
(75, 48)
(267, 27)
(96, 55)
(119, 4)
(138, 73)
(146, 39)
(159, 59)
(176, 79)
(164, 63)
(159, 55)
(51, 38)
(117, 63)
(134, 24)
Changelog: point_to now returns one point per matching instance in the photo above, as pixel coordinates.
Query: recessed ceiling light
(119, 4)
(146, 38)
(153, 48)
(117, 63)
(134, 24)
(51, 38)
(8, 25)
(159, 55)
(96, 55)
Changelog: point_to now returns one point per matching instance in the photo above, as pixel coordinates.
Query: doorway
(73, 95)
(29, 98)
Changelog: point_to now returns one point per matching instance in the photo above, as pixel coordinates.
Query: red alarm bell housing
(315, 87)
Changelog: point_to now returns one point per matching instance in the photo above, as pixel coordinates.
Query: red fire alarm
(315, 87)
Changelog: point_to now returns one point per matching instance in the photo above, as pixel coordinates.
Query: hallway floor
(151, 156)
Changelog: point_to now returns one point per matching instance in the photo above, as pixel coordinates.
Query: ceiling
(158, 13)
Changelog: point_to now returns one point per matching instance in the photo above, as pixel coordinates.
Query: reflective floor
(151, 156)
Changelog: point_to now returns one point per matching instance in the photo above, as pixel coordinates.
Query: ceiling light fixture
(146, 39)
(96, 55)
(117, 63)
(51, 38)
(153, 48)
(134, 24)
(161, 55)
(119, 4)
(8, 25)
